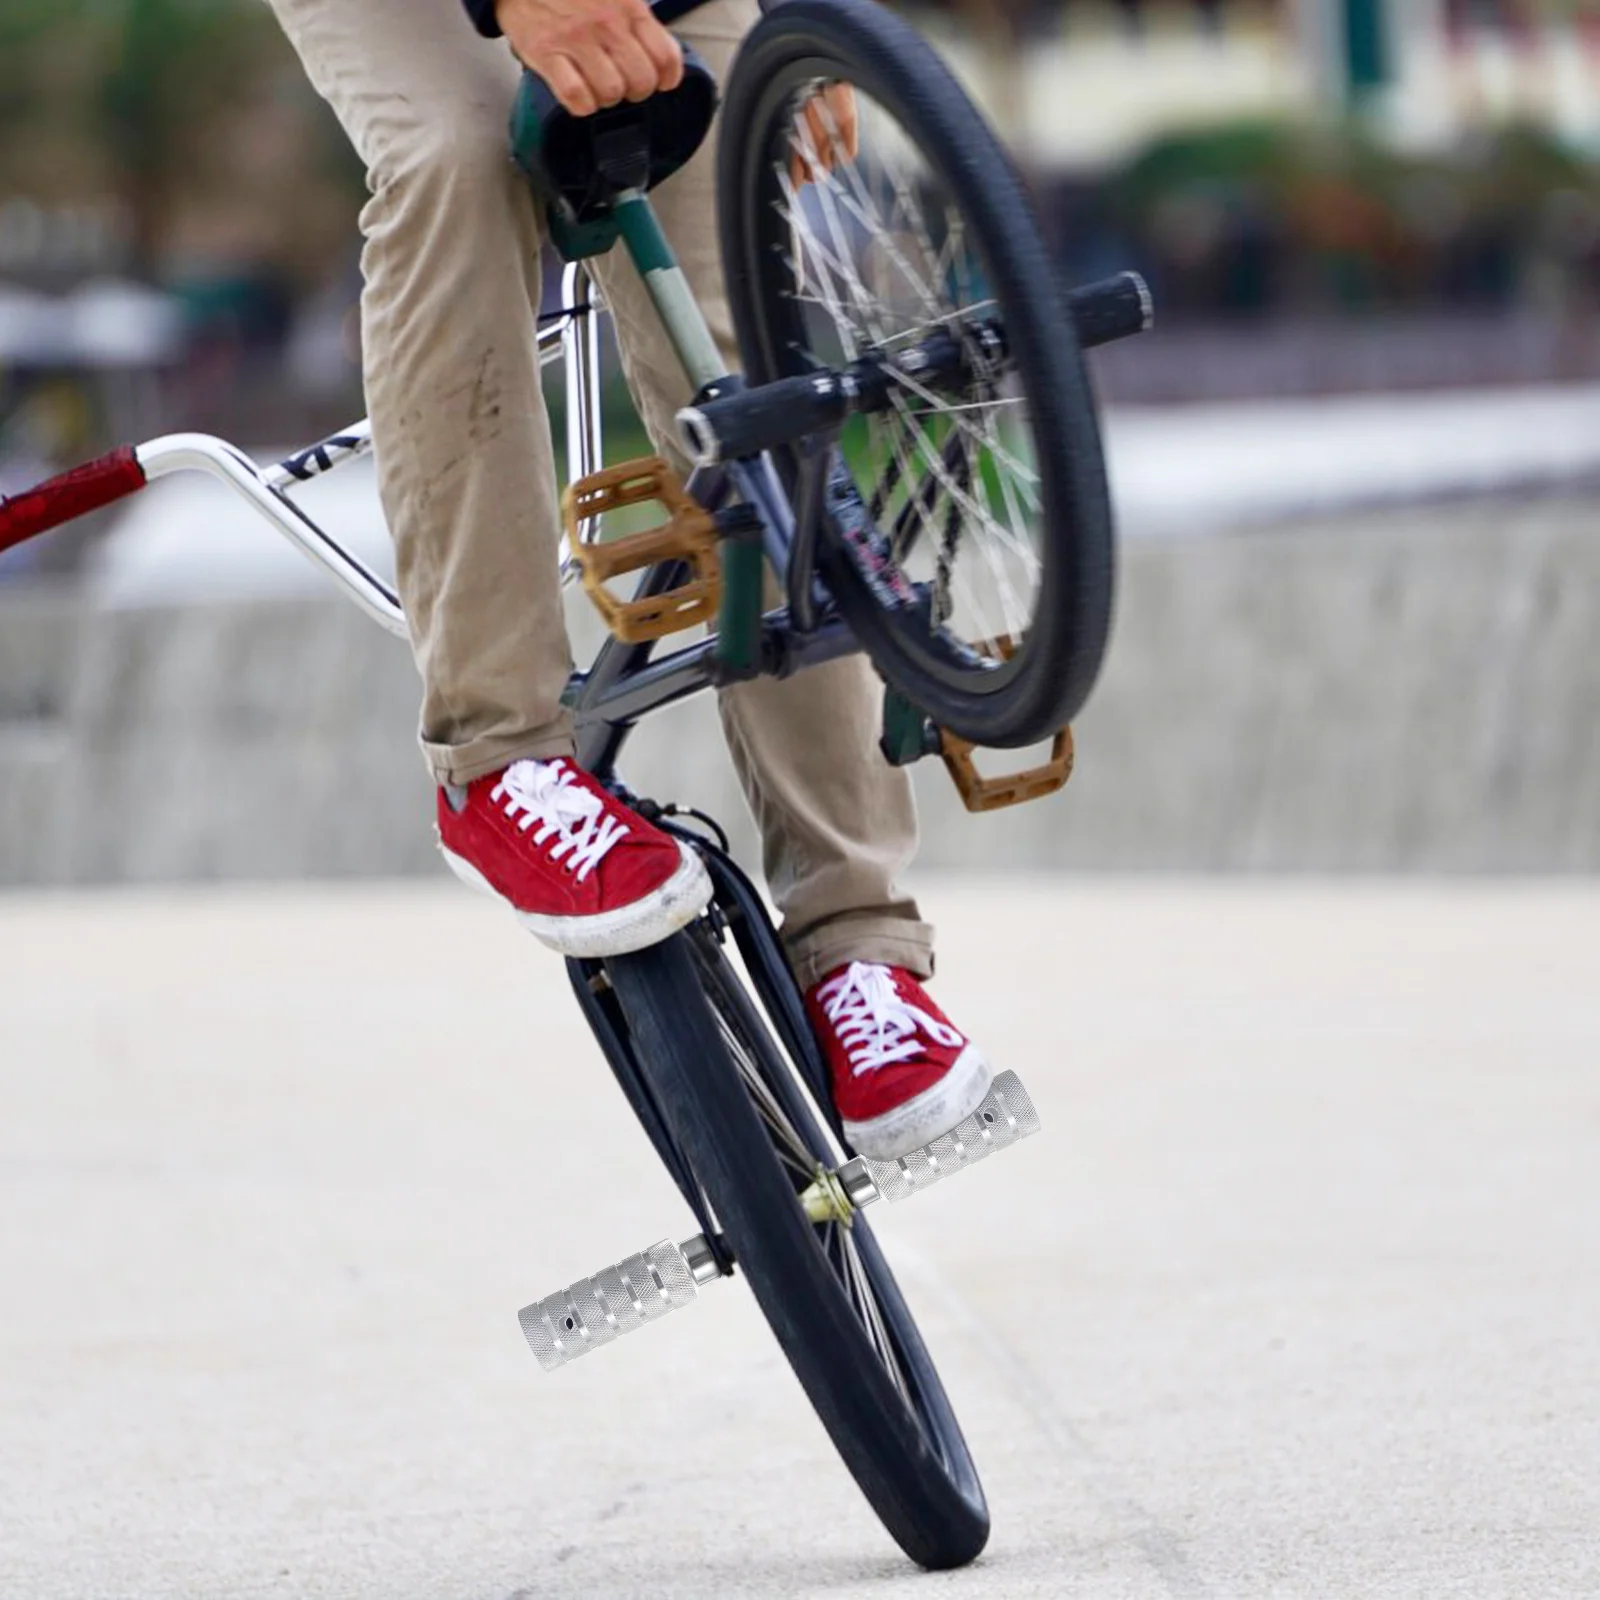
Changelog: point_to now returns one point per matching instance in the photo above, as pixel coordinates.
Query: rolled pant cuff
(894, 941)
(460, 764)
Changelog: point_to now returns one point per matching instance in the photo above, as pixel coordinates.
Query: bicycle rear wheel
(735, 1108)
(969, 537)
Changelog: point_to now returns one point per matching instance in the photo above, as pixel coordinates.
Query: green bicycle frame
(739, 617)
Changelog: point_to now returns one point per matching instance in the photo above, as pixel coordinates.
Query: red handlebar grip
(71, 494)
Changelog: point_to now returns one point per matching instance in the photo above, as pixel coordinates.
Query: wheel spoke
(940, 471)
(867, 1309)
(790, 1147)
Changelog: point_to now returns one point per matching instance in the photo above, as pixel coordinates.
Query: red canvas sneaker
(902, 1074)
(583, 873)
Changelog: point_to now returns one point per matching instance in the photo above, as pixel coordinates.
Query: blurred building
(1461, 64)
(1084, 83)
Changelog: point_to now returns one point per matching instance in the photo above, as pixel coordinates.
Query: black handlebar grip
(763, 418)
(1111, 309)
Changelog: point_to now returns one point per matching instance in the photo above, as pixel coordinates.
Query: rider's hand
(592, 53)
(827, 134)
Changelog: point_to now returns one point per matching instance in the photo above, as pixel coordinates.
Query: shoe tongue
(539, 784)
(862, 975)
(877, 982)
(525, 773)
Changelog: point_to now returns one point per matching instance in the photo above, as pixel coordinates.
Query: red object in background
(68, 495)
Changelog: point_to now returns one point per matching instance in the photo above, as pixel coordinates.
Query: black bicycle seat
(578, 165)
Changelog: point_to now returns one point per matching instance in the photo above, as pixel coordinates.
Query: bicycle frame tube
(624, 683)
(737, 643)
(574, 339)
(622, 686)
(262, 491)
(605, 711)
(668, 289)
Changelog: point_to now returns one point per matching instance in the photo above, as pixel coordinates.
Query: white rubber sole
(645, 922)
(935, 1111)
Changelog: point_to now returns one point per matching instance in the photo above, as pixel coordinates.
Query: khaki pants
(467, 473)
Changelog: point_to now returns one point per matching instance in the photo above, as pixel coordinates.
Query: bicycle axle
(730, 423)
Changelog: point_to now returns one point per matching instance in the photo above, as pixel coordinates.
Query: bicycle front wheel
(968, 541)
(735, 1109)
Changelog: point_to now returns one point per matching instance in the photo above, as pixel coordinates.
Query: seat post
(669, 289)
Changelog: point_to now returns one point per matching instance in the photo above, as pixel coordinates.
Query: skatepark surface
(1296, 1294)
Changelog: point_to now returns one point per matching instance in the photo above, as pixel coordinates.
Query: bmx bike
(910, 466)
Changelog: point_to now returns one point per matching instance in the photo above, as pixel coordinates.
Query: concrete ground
(1298, 1293)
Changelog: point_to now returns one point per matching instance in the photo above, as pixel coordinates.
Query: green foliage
(126, 90)
(1265, 215)
(177, 63)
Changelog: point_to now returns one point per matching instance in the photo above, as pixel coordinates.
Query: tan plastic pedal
(689, 534)
(979, 793)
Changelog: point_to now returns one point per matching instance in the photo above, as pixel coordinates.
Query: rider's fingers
(568, 85)
(815, 156)
(841, 100)
(821, 136)
(640, 76)
(807, 143)
(833, 116)
(600, 71)
(827, 132)
(664, 51)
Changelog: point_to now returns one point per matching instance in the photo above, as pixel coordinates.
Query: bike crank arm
(645, 1287)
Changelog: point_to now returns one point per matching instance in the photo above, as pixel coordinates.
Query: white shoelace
(544, 795)
(874, 1022)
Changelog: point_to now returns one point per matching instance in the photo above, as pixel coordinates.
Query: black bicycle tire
(915, 1362)
(936, 1513)
(1050, 677)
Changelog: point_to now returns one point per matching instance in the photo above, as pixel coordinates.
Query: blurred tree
(177, 66)
(1288, 218)
(125, 92)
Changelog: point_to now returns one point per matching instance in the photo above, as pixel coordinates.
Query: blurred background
(1356, 466)
(1296, 1296)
